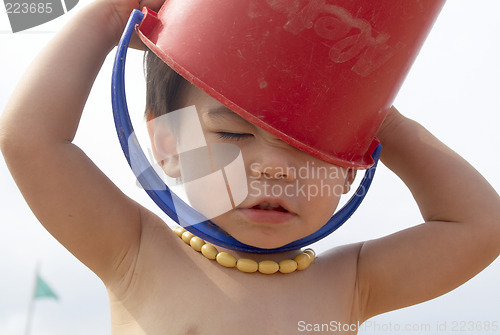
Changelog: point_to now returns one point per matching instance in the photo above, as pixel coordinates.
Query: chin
(259, 236)
(263, 241)
(270, 245)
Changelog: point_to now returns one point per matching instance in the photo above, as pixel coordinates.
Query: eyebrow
(223, 112)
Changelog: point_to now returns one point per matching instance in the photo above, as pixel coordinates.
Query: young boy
(158, 284)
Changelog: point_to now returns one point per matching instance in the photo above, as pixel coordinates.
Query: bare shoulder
(335, 273)
(338, 265)
(345, 256)
(155, 252)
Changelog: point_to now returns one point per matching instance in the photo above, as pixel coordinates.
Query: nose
(273, 163)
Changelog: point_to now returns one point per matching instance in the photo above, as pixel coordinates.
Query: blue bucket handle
(165, 199)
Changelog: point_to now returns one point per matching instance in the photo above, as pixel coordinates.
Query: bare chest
(205, 298)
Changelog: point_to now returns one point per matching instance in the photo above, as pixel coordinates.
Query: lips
(270, 207)
(270, 211)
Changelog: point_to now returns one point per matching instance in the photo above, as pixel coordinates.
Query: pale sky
(453, 90)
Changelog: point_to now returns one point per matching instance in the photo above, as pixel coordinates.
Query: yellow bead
(187, 236)
(225, 259)
(209, 251)
(288, 266)
(268, 267)
(247, 265)
(303, 261)
(311, 253)
(179, 231)
(196, 243)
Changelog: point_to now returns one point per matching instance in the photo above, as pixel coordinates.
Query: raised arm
(461, 233)
(76, 203)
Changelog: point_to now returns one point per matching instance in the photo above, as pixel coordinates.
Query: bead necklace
(300, 262)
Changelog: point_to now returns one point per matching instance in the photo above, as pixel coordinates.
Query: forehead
(208, 107)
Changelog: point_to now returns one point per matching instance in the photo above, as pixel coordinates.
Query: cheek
(209, 196)
(322, 196)
(327, 199)
(323, 182)
(217, 180)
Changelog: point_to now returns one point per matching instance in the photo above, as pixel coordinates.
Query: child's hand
(122, 10)
(391, 122)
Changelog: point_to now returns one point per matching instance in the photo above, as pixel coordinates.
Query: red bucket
(321, 75)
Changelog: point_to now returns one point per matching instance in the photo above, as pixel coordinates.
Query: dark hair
(163, 86)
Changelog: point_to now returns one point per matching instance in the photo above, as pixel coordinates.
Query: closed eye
(233, 136)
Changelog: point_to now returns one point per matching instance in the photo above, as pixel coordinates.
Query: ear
(350, 176)
(164, 146)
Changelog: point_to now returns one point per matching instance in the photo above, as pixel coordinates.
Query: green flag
(43, 290)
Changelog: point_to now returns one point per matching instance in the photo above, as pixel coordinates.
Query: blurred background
(453, 90)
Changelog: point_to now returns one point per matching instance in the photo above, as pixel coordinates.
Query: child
(157, 284)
